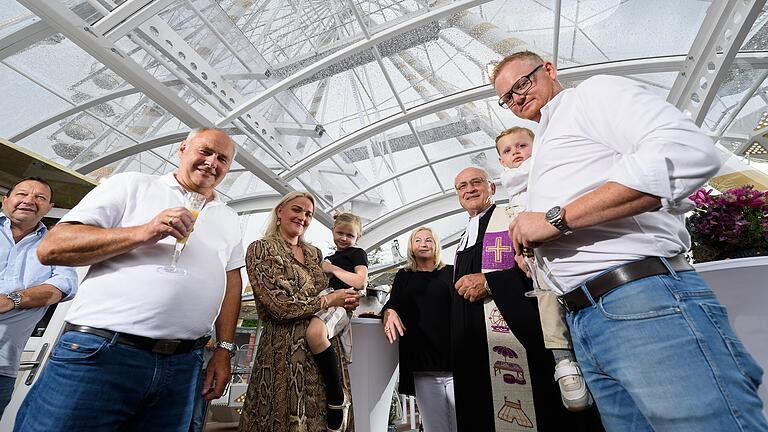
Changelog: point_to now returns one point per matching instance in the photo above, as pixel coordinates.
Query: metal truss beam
(127, 16)
(435, 14)
(104, 51)
(720, 37)
(79, 32)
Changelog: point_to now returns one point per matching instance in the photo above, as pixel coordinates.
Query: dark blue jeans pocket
(74, 347)
(744, 361)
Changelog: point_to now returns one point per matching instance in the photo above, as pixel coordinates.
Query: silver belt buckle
(166, 346)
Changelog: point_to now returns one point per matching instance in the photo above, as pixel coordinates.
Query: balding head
(475, 190)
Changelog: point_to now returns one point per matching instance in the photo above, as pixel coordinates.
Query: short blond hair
(412, 265)
(273, 232)
(510, 131)
(520, 55)
(351, 219)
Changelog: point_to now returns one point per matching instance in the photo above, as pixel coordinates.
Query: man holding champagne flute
(131, 352)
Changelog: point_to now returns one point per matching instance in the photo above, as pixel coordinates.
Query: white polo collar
(171, 181)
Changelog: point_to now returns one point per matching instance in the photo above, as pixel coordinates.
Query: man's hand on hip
(530, 229)
(217, 375)
(472, 287)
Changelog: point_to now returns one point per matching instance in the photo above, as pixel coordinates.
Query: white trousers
(434, 394)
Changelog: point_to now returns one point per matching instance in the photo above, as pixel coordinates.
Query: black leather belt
(601, 285)
(159, 346)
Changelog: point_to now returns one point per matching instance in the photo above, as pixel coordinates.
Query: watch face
(553, 213)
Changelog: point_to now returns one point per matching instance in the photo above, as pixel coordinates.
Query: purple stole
(508, 360)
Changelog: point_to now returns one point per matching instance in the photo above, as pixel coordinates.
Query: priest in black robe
(503, 375)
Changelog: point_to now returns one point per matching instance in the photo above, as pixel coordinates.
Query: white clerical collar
(470, 233)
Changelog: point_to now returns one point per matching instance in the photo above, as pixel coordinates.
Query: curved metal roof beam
(386, 124)
(408, 171)
(107, 98)
(81, 107)
(621, 67)
(119, 154)
(23, 38)
(408, 217)
(436, 14)
(661, 64)
(254, 203)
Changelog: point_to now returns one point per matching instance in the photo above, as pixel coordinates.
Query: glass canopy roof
(373, 106)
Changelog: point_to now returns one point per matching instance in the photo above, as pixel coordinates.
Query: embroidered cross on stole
(508, 360)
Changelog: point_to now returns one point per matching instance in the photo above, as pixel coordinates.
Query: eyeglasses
(475, 182)
(520, 88)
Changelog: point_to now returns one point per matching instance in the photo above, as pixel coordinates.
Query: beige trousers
(553, 325)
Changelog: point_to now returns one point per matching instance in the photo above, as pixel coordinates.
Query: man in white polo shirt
(131, 353)
(612, 167)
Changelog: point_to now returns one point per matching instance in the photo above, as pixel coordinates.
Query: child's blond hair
(351, 219)
(510, 131)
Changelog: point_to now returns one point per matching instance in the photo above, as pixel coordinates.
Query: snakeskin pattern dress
(285, 391)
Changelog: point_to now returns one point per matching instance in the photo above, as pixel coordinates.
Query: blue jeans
(95, 384)
(659, 354)
(6, 391)
(201, 407)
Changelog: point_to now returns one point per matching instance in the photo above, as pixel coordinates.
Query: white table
(742, 286)
(373, 374)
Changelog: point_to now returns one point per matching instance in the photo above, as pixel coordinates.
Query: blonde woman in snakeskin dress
(286, 391)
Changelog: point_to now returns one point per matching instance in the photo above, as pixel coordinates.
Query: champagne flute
(194, 202)
(531, 261)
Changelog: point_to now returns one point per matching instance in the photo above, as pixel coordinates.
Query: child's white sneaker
(573, 389)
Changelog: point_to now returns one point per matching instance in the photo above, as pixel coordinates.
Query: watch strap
(14, 297)
(555, 218)
(229, 346)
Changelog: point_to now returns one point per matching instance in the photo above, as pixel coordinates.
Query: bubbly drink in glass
(194, 202)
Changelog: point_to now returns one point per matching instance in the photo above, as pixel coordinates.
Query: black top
(347, 259)
(423, 302)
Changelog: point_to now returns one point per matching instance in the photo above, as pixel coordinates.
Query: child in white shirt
(515, 146)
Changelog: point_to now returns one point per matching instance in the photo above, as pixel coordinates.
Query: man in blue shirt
(27, 287)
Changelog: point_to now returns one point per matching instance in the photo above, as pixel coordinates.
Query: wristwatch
(229, 346)
(555, 217)
(487, 289)
(15, 298)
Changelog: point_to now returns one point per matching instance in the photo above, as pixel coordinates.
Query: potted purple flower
(733, 224)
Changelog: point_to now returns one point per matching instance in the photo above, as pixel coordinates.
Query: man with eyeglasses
(612, 167)
(501, 370)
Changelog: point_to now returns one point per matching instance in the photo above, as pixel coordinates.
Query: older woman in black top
(418, 311)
